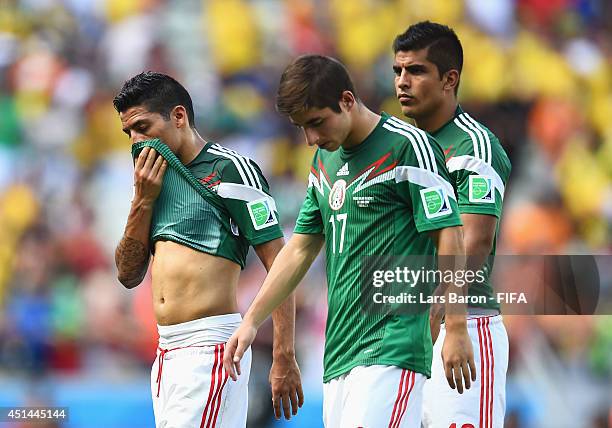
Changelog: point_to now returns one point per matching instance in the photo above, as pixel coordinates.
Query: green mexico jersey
(218, 204)
(479, 168)
(379, 198)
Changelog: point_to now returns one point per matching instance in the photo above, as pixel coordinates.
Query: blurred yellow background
(538, 73)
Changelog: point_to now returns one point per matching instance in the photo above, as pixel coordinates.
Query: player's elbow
(129, 282)
(478, 244)
(304, 248)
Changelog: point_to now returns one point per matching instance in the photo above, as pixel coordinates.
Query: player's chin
(409, 111)
(330, 146)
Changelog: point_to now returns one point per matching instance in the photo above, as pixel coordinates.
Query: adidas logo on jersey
(343, 171)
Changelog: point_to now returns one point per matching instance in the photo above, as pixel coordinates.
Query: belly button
(163, 300)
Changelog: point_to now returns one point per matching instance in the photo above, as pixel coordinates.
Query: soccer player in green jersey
(197, 208)
(428, 62)
(377, 187)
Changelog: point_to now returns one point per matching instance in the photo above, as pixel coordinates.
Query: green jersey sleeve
(423, 183)
(309, 220)
(246, 194)
(481, 180)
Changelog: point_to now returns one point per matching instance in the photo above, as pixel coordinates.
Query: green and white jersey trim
(419, 141)
(479, 169)
(244, 165)
(478, 166)
(480, 137)
(260, 206)
(416, 175)
(423, 178)
(313, 181)
(243, 192)
(425, 175)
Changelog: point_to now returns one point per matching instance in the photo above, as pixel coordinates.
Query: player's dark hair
(313, 81)
(157, 92)
(443, 46)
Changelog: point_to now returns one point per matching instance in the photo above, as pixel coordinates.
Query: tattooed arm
(132, 253)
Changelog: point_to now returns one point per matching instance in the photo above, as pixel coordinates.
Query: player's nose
(311, 137)
(137, 137)
(403, 80)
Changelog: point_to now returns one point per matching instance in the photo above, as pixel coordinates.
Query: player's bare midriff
(189, 284)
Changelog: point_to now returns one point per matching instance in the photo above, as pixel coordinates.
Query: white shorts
(189, 385)
(484, 404)
(373, 397)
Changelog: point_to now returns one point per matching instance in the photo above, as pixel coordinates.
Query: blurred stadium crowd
(537, 72)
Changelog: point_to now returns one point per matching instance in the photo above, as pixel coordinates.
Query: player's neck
(437, 120)
(364, 122)
(191, 146)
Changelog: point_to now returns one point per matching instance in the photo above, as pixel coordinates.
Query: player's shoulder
(405, 138)
(471, 136)
(235, 167)
(473, 142)
(404, 132)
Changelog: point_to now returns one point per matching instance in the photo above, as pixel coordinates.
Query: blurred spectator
(539, 72)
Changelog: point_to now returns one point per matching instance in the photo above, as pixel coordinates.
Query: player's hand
(149, 172)
(458, 358)
(286, 383)
(235, 348)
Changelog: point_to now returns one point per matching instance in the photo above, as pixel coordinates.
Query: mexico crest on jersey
(337, 195)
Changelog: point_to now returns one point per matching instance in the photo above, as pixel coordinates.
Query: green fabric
(176, 165)
(10, 130)
(479, 168)
(194, 215)
(242, 187)
(370, 201)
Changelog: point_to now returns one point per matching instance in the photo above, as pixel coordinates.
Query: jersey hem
(374, 362)
(307, 231)
(426, 227)
(471, 209)
(192, 246)
(262, 239)
(496, 307)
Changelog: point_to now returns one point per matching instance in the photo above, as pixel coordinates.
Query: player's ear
(451, 80)
(347, 100)
(178, 115)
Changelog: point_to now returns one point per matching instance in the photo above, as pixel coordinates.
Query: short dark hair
(443, 46)
(312, 81)
(158, 92)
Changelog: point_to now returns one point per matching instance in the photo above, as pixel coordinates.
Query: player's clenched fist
(236, 346)
(148, 175)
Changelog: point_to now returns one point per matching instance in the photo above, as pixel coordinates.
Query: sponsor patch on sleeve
(261, 213)
(435, 202)
(481, 189)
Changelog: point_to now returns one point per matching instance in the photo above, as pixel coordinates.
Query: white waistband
(200, 332)
(473, 321)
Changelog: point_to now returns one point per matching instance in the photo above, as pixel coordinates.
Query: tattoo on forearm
(131, 258)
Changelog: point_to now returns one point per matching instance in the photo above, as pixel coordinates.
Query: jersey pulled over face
(140, 124)
(378, 198)
(232, 210)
